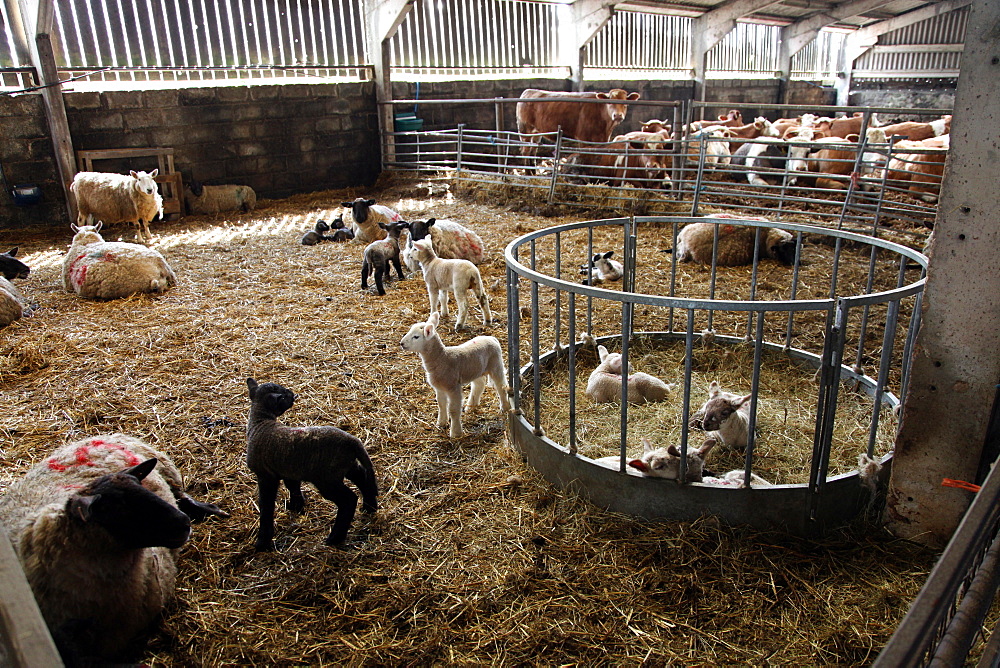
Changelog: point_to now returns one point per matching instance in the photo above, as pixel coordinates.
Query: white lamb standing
(458, 276)
(202, 199)
(97, 527)
(118, 198)
(452, 241)
(99, 269)
(604, 269)
(605, 383)
(726, 414)
(366, 216)
(450, 368)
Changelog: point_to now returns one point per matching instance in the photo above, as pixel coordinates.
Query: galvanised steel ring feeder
(822, 345)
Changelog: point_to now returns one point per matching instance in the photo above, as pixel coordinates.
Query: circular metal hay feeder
(848, 303)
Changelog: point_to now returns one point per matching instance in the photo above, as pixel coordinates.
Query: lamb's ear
(602, 352)
(383, 226)
(252, 385)
(79, 506)
(369, 202)
(73, 227)
(134, 175)
(713, 389)
(639, 464)
(646, 445)
(608, 254)
(99, 226)
(431, 221)
(140, 471)
(153, 173)
(347, 204)
(12, 252)
(707, 445)
(672, 449)
(742, 400)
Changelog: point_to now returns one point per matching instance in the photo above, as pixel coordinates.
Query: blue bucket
(26, 195)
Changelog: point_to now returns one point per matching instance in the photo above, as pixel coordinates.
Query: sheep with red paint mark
(451, 240)
(99, 269)
(97, 526)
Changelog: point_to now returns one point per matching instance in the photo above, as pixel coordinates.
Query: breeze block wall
(278, 139)
(27, 158)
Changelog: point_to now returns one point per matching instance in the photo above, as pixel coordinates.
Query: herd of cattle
(808, 150)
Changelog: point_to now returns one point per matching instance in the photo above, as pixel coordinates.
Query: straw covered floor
(473, 558)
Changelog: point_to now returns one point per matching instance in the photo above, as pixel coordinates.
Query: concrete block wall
(27, 157)
(938, 94)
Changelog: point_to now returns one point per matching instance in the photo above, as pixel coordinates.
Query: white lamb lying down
(605, 383)
(605, 269)
(451, 368)
(99, 269)
(725, 414)
(666, 463)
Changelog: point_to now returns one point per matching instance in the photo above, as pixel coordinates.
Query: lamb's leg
(484, 304)
(454, 401)
(365, 268)
(296, 502)
(267, 492)
(432, 297)
(379, 285)
(476, 392)
(399, 269)
(443, 302)
(462, 299)
(347, 505)
(365, 480)
(442, 400)
(499, 383)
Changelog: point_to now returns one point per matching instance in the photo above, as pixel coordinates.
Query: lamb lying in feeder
(605, 383)
(603, 269)
(736, 242)
(726, 414)
(321, 455)
(451, 368)
(666, 463)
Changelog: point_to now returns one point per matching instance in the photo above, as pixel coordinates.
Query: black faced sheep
(736, 242)
(13, 305)
(452, 241)
(458, 276)
(381, 256)
(202, 199)
(321, 455)
(97, 530)
(367, 215)
(99, 269)
(451, 368)
(726, 414)
(117, 198)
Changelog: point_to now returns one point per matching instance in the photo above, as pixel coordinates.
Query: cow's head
(617, 111)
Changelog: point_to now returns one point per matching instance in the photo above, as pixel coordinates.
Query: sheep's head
(423, 250)
(134, 516)
(420, 333)
(666, 462)
(394, 229)
(11, 267)
(359, 208)
(85, 235)
(338, 222)
(271, 397)
(144, 181)
(322, 226)
(420, 229)
(720, 407)
(611, 362)
(780, 246)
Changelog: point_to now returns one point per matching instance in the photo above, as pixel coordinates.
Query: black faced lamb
(726, 414)
(450, 368)
(202, 199)
(317, 234)
(605, 383)
(736, 242)
(321, 455)
(366, 216)
(99, 269)
(118, 198)
(458, 276)
(97, 526)
(13, 304)
(451, 240)
(602, 268)
(381, 256)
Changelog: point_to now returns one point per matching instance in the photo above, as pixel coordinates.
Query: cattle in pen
(583, 121)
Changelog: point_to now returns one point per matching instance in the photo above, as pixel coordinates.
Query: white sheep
(451, 368)
(13, 305)
(725, 414)
(366, 217)
(202, 199)
(666, 462)
(605, 383)
(452, 241)
(117, 198)
(736, 242)
(603, 269)
(99, 269)
(458, 276)
(97, 531)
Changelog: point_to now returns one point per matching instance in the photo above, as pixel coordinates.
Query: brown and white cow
(731, 120)
(919, 131)
(629, 158)
(586, 122)
(922, 171)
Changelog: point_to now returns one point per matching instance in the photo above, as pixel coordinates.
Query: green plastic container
(408, 122)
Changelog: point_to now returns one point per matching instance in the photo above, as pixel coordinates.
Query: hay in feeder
(473, 558)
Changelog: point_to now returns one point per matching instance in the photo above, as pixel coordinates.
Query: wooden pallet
(171, 182)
